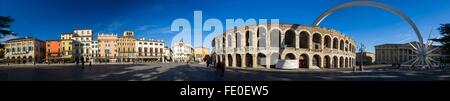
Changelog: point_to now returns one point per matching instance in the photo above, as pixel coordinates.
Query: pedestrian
(82, 64)
(222, 70)
(90, 63)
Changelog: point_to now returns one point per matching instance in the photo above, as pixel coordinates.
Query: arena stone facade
(264, 45)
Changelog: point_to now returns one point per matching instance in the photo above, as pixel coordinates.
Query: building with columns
(149, 50)
(182, 52)
(265, 45)
(84, 38)
(25, 50)
(126, 47)
(368, 58)
(400, 53)
(168, 54)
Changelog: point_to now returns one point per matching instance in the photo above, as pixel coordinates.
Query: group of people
(219, 66)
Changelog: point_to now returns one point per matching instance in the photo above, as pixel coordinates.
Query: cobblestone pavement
(198, 72)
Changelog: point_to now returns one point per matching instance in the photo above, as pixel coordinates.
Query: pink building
(107, 47)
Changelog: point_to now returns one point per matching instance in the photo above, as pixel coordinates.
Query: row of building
(80, 46)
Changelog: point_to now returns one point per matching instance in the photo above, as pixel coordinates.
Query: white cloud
(5, 38)
(114, 26)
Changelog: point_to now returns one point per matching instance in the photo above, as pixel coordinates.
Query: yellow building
(200, 53)
(68, 48)
(126, 47)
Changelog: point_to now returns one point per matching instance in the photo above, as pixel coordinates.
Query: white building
(182, 52)
(149, 50)
(84, 36)
(84, 39)
(95, 52)
(168, 54)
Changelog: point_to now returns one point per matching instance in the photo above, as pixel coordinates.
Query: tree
(444, 29)
(5, 23)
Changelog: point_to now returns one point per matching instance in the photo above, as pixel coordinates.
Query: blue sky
(46, 19)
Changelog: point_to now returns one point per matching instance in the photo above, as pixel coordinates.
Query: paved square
(198, 72)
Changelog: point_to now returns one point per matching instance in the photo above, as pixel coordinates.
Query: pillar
(255, 61)
(267, 61)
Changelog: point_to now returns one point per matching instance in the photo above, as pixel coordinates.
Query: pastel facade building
(107, 47)
(24, 50)
(182, 52)
(53, 51)
(126, 47)
(149, 50)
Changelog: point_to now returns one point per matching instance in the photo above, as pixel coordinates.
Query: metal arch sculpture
(421, 49)
(371, 4)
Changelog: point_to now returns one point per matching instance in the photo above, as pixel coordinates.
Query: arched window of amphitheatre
(223, 42)
(317, 40)
(261, 36)
(238, 60)
(327, 41)
(261, 59)
(341, 46)
(303, 61)
(316, 60)
(327, 62)
(213, 43)
(335, 43)
(289, 38)
(238, 40)
(248, 38)
(346, 45)
(275, 38)
(304, 40)
(229, 40)
(335, 62)
(350, 47)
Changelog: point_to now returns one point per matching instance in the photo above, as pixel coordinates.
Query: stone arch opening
(317, 61)
(30, 59)
(346, 45)
(335, 43)
(248, 38)
(289, 38)
(290, 56)
(304, 40)
(261, 36)
(303, 61)
(230, 60)
(238, 60)
(274, 57)
(346, 62)
(335, 62)
(238, 40)
(341, 62)
(261, 60)
(327, 41)
(213, 43)
(327, 62)
(24, 59)
(275, 38)
(317, 41)
(341, 45)
(229, 40)
(249, 60)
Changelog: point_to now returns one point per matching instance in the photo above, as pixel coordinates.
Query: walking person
(220, 67)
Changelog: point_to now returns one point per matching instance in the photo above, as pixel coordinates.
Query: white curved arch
(372, 4)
